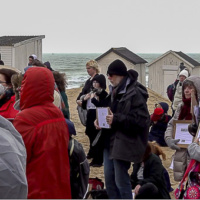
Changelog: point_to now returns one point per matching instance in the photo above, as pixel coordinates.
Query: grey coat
(180, 156)
(194, 151)
(13, 183)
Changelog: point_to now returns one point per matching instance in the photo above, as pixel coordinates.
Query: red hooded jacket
(45, 134)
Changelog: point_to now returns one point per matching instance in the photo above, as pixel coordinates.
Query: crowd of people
(36, 129)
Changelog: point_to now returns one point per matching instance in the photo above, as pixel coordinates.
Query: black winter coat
(153, 173)
(91, 114)
(127, 138)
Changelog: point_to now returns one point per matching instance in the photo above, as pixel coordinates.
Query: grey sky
(94, 26)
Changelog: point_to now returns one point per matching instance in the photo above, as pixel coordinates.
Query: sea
(73, 64)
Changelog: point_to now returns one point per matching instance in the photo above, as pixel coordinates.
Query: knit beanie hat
(158, 112)
(101, 80)
(164, 106)
(117, 67)
(184, 73)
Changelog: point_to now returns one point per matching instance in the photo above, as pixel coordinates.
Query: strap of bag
(72, 148)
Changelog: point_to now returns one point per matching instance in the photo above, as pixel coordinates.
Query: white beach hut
(15, 50)
(164, 70)
(131, 60)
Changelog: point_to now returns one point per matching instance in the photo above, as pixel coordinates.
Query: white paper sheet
(183, 134)
(101, 115)
(90, 105)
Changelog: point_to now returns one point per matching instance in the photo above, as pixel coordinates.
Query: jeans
(117, 179)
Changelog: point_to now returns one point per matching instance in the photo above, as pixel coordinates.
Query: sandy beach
(83, 139)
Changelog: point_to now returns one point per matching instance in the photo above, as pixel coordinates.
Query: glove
(172, 143)
(192, 128)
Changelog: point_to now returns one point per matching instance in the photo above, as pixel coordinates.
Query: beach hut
(131, 60)
(164, 70)
(15, 50)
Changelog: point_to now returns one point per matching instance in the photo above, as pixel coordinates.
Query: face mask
(2, 89)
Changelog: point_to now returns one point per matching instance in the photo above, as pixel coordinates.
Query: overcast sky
(94, 26)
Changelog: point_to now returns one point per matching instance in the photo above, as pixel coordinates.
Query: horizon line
(104, 52)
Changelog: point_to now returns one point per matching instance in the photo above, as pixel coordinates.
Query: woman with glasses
(7, 96)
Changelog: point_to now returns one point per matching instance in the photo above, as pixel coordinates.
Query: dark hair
(147, 152)
(1, 62)
(7, 74)
(188, 83)
(38, 63)
(60, 79)
(31, 57)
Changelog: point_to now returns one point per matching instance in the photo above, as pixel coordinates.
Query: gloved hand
(172, 143)
(192, 128)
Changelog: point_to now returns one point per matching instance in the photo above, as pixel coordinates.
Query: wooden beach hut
(164, 70)
(131, 60)
(15, 50)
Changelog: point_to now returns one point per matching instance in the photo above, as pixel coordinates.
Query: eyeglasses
(2, 82)
(110, 75)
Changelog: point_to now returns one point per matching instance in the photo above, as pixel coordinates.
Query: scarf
(185, 110)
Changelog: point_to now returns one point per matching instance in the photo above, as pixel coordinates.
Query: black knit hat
(117, 67)
(101, 80)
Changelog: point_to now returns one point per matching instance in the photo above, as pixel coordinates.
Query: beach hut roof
(188, 58)
(126, 54)
(12, 40)
(179, 54)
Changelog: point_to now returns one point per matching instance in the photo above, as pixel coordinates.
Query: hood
(164, 106)
(196, 81)
(133, 75)
(100, 78)
(37, 87)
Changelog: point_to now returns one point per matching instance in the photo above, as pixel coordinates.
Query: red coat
(45, 135)
(7, 110)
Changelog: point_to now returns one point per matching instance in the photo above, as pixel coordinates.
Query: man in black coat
(129, 119)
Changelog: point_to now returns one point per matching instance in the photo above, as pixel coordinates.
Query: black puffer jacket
(153, 173)
(127, 138)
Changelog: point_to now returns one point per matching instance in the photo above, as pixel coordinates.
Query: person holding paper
(126, 140)
(90, 101)
(183, 112)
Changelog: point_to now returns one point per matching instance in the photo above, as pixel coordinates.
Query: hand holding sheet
(101, 116)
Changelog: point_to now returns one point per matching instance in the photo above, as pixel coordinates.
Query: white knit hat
(184, 73)
(34, 56)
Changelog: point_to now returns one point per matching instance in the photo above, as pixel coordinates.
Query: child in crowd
(159, 121)
(90, 102)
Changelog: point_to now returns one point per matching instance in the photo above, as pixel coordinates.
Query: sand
(83, 139)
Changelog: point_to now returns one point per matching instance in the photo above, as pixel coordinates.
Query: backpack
(97, 191)
(79, 169)
(171, 90)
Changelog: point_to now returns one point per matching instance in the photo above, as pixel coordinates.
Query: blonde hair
(93, 64)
